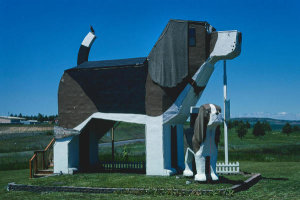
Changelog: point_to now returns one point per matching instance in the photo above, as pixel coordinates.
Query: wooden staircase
(41, 163)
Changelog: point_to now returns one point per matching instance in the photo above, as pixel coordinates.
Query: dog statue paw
(214, 177)
(188, 173)
(200, 177)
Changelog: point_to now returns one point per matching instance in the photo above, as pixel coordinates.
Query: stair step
(41, 175)
(45, 171)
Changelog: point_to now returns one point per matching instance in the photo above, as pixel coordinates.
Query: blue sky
(40, 39)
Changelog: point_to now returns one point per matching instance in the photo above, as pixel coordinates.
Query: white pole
(225, 122)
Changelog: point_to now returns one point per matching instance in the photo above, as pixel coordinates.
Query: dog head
(209, 116)
(215, 117)
(184, 46)
(228, 45)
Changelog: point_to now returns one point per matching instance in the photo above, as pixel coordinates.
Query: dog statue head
(215, 117)
(209, 118)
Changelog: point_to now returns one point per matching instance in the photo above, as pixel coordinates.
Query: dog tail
(85, 47)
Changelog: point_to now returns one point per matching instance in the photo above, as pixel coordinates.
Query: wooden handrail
(30, 165)
(35, 157)
(50, 144)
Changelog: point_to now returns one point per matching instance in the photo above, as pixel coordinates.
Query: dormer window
(192, 37)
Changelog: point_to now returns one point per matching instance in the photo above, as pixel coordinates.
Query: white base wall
(154, 147)
(158, 148)
(66, 155)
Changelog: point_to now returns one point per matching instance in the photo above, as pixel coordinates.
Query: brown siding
(83, 92)
(159, 99)
(199, 53)
(74, 106)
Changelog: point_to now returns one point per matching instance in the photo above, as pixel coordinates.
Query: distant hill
(275, 123)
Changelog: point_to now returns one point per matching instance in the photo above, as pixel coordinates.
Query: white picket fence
(230, 168)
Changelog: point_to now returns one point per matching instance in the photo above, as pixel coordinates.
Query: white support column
(66, 155)
(154, 147)
(225, 122)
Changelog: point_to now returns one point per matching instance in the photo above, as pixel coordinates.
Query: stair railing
(41, 159)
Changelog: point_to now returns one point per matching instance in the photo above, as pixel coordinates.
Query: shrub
(229, 124)
(241, 130)
(248, 125)
(235, 123)
(287, 129)
(125, 153)
(296, 128)
(267, 126)
(258, 129)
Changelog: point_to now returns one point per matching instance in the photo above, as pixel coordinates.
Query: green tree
(267, 126)
(258, 129)
(235, 123)
(296, 128)
(229, 124)
(248, 125)
(40, 117)
(287, 129)
(242, 130)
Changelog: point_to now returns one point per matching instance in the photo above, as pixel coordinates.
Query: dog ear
(168, 59)
(200, 128)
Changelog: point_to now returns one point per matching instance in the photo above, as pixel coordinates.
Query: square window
(192, 37)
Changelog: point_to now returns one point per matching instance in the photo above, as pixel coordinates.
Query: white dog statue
(203, 141)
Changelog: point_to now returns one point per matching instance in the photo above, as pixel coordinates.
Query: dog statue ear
(168, 59)
(200, 128)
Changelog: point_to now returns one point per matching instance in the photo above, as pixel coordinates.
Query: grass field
(273, 147)
(281, 180)
(275, 155)
(126, 131)
(17, 147)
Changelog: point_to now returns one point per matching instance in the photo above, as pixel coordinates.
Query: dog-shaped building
(156, 91)
(203, 138)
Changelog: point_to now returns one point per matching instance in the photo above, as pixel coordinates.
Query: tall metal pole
(225, 122)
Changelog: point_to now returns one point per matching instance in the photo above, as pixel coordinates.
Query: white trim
(180, 110)
(88, 40)
(194, 110)
(130, 118)
(227, 46)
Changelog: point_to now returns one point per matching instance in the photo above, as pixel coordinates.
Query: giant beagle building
(157, 91)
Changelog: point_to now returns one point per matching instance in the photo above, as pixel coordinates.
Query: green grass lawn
(128, 152)
(16, 151)
(126, 131)
(274, 146)
(281, 180)
(276, 156)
